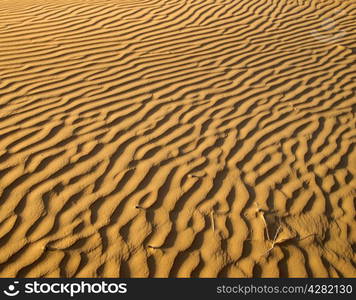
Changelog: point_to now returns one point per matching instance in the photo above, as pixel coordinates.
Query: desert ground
(177, 138)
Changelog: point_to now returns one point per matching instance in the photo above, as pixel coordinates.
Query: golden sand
(183, 138)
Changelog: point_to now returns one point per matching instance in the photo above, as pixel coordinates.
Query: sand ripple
(177, 138)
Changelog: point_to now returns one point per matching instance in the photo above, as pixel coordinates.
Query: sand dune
(183, 138)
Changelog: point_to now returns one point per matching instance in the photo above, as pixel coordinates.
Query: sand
(177, 138)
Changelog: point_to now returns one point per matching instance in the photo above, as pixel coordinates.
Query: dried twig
(274, 239)
(212, 220)
(259, 210)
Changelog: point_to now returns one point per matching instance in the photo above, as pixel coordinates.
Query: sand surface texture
(177, 138)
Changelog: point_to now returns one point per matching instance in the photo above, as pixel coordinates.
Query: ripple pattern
(177, 138)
